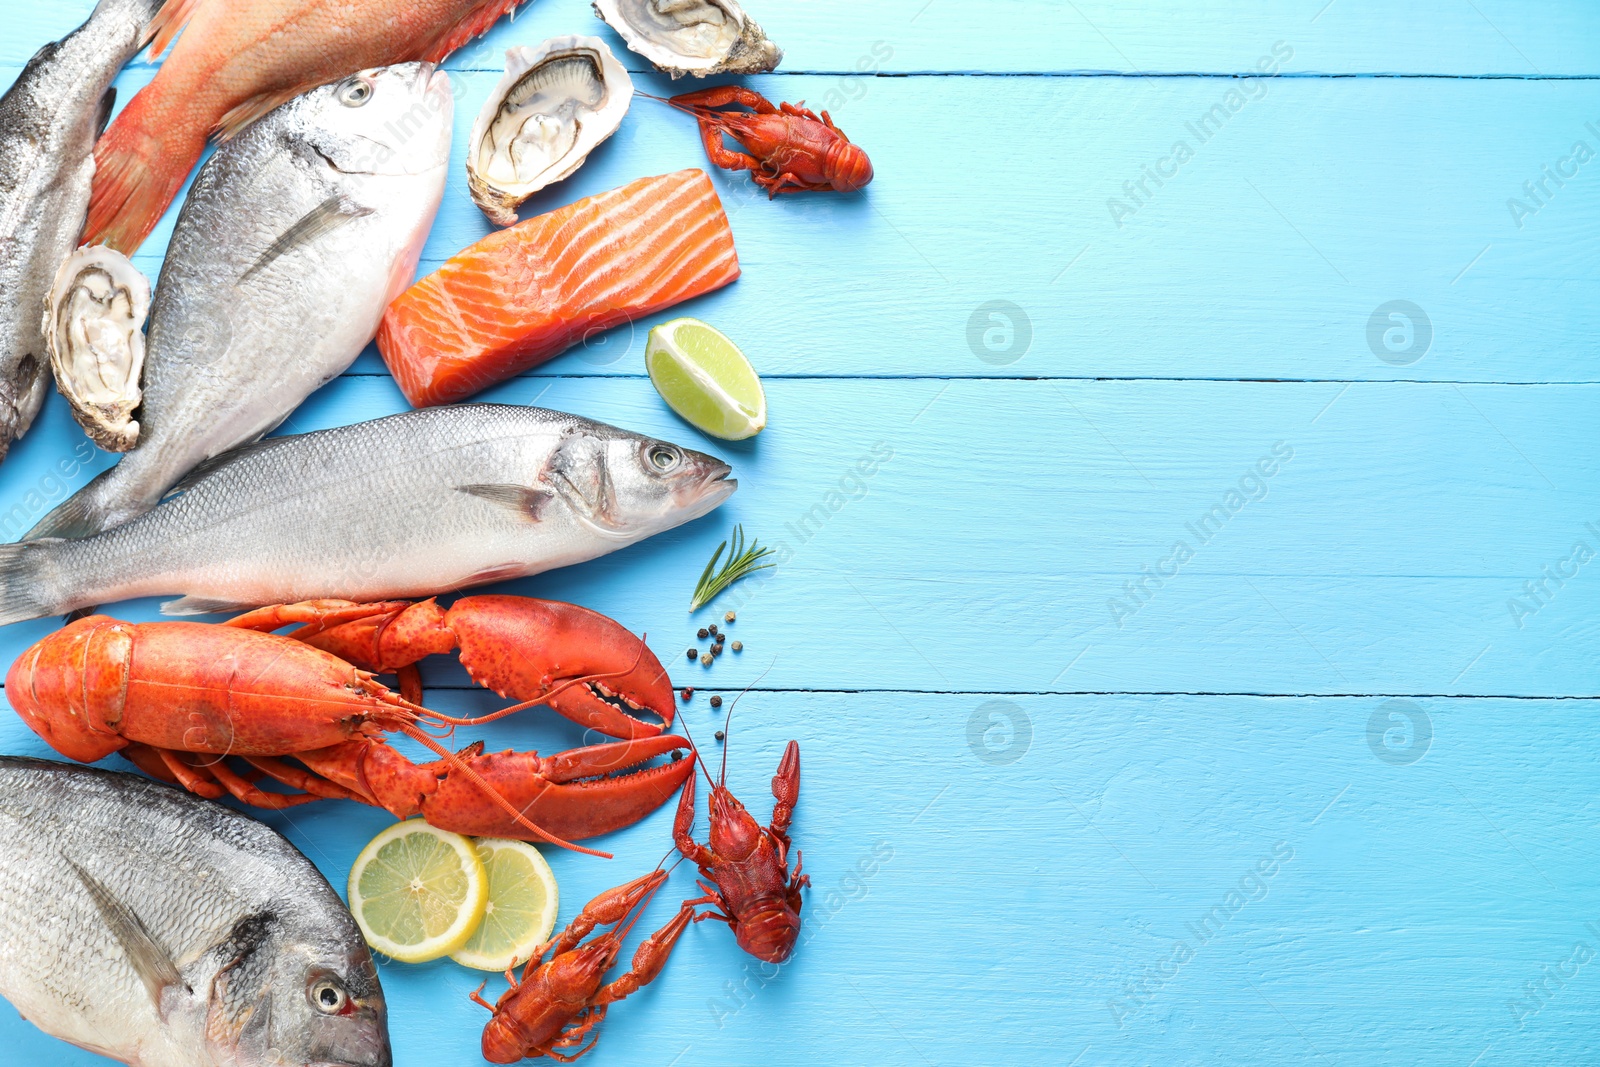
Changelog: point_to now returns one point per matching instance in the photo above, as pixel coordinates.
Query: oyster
(94, 323)
(697, 37)
(555, 105)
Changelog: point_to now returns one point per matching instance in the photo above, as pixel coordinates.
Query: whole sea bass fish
(49, 119)
(296, 236)
(414, 504)
(237, 60)
(157, 928)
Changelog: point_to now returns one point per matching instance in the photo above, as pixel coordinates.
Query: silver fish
(157, 928)
(49, 120)
(411, 505)
(296, 236)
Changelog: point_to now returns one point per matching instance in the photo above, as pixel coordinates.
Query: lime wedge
(521, 911)
(417, 892)
(706, 379)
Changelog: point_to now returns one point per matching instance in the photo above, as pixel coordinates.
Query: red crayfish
(180, 698)
(554, 1009)
(788, 149)
(748, 864)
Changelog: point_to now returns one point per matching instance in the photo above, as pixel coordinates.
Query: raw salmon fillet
(525, 295)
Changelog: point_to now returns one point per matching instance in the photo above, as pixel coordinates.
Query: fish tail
(95, 508)
(26, 588)
(140, 164)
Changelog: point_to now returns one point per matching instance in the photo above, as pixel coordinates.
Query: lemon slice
(521, 910)
(418, 892)
(706, 379)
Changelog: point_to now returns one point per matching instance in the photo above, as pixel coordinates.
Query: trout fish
(153, 927)
(296, 236)
(49, 119)
(236, 61)
(411, 505)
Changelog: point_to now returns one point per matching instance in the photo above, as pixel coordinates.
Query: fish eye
(664, 459)
(328, 997)
(355, 92)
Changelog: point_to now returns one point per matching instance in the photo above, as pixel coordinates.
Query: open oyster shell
(555, 105)
(696, 37)
(94, 323)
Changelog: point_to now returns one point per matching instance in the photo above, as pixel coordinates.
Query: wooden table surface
(1204, 673)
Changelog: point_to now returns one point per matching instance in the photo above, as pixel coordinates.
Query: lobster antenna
(457, 763)
(723, 775)
(663, 100)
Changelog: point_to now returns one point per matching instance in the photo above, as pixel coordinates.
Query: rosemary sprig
(742, 562)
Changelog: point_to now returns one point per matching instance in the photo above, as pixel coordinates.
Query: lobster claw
(585, 666)
(573, 795)
(591, 669)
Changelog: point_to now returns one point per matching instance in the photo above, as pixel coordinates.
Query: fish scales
(296, 236)
(413, 504)
(245, 920)
(49, 119)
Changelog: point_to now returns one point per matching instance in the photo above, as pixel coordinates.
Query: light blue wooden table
(1208, 674)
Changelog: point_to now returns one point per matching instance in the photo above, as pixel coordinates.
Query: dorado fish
(411, 505)
(237, 60)
(157, 928)
(296, 236)
(49, 119)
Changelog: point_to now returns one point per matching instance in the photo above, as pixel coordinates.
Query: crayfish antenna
(728, 721)
(458, 764)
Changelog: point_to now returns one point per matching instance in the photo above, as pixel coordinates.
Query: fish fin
(139, 165)
(108, 103)
(242, 970)
(81, 613)
(475, 25)
(199, 605)
(205, 468)
(152, 963)
(524, 501)
(168, 23)
(80, 515)
(236, 120)
(321, 220)
(23, 595)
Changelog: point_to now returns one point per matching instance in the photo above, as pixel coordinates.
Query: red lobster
(790, 149)
(557, 1006)
(179, 698)
(748, 865)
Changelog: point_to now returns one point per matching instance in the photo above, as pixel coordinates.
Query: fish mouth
(713, 488)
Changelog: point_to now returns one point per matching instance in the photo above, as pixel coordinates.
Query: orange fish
(237, 60)
(524, 295)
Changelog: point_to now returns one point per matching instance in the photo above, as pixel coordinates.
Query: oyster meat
(696, 37)
(94, 323)
(555, 105)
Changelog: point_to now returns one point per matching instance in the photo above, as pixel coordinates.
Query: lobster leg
(711, 131)
(786, 790)
(303, 780)
(648, 959)
(607, 909)
(722, 95)
(246, 793)
(683, 829)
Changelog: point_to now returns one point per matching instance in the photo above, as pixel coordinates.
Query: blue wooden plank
(1016, 537)
(1033, 36)
(1258, 260)
(977, 880)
